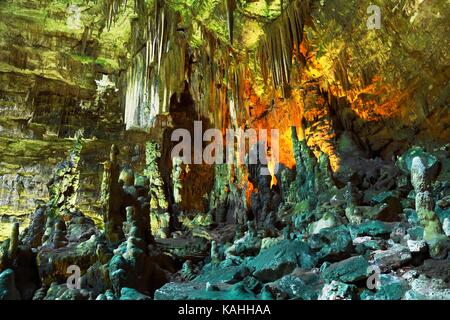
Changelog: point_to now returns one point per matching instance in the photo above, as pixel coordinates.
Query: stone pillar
(111, 198)
(14, 242)
(424, 200)
(305, 168)
(160, 218)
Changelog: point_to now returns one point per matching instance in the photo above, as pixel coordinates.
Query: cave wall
(51, 68)
(353, 92)
(60, 69)
(391, 84)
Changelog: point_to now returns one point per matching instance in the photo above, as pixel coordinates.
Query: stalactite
(86, 35)
(158, 67)
(112, 9)
(217, 82)
(158, 70)
(231, 6)
(136, 97)
(281, 41)
(207, 81)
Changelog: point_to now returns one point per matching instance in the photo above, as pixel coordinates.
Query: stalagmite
(111, 197)
(215, 258)
(336, 203)
(64, 184)
(350, 209)
(177, 170)
(59, 236)
(433, 233)
(14, 242)
(305, 167)
(158, 203)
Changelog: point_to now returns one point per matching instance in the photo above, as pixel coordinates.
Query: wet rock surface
(332, 259)
(281, 259)
(357, 207)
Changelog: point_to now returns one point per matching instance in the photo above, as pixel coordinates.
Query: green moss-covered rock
(62, 292)
(132, 294)
(390, 288)
(415, 233)
(411, 216)
(333, 244)
(366, 247)
(297, 285)
(432, 227)
(373, 228)
(327, 221)
(199, 291)
(8, 290)
(338, 291)
(349, 270)
(424, 288)
(391, 206)
(439, 247)
(281, 259)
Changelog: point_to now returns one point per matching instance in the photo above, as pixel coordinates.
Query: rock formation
(158, 202)
(348, 196)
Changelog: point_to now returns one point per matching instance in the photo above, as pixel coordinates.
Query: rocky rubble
(355, 211)
(318, 252)
(367, 259)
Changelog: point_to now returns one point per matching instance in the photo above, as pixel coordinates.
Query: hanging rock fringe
(158, 67)
(112, 9)
(231, 6)
(281, 41)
